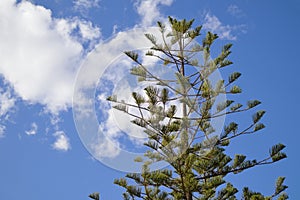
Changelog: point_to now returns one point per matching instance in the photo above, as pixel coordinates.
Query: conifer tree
(177, 117)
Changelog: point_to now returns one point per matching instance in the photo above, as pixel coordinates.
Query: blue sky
(45, 45)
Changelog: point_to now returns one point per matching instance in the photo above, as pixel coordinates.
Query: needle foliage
(177, 115)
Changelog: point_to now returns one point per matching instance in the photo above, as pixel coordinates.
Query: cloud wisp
(149, 10)
(33, 129)
(7, 102)
(7, 105)
(227, 32)
(62, 142)
(235, 11)
(83, 6)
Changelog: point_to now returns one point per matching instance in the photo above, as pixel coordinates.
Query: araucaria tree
(177, 115)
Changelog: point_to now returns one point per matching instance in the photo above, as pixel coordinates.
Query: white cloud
(33, 129)
(7, 105)
(119, 123)
(7, 102)
(39, 54)
(148, 10)
(87, 33)
(87, 30)
(213, 24)
(62, 142)
(105, 147)
(116, 123)
(102, 141)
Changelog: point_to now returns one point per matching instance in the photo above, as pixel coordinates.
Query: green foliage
(238, 160)
(223, 105)
(276, 152)
(140, 72)
(258, 115)
(259, 126)
(235, 89)
(177, 117)
(139, 99)
(236, 107)
(279, 192)
(94, 196)
(232, 127)
(134, 56)
(279, 186)
(234, 76)
(253, 103)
